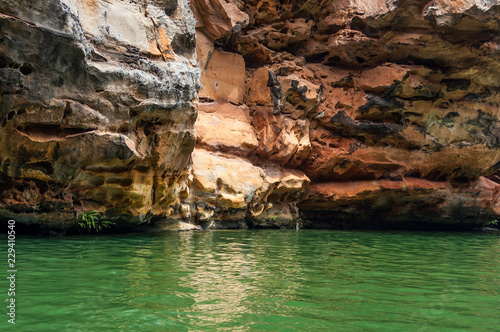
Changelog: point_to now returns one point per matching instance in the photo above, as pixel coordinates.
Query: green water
(258, 280)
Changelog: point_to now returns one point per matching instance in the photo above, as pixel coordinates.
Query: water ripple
(260, 280)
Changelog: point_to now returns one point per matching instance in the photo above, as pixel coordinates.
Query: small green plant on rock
(491, 223)
(90, 221)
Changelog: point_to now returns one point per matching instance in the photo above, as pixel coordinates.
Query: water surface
(268, 280)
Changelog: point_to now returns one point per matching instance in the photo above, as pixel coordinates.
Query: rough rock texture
(389, 108)
(311, 113)
(97, 108)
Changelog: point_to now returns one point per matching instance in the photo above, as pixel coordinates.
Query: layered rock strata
(97, 107)
(311, 113)
(388, 108)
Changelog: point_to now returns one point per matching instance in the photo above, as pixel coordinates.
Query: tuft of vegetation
(91, 222)
(491, 223)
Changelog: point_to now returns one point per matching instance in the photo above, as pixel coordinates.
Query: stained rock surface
(97, 107)
(309, 113)
(384, 113)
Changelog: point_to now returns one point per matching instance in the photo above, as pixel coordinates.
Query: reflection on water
(260, 280)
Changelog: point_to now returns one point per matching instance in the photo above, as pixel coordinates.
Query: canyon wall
(348, 113)
(98, 103)
(309, 113)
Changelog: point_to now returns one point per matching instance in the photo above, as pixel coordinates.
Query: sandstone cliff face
(311, 113)
(389, 109)
(97, 106)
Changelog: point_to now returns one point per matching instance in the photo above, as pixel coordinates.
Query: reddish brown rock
(219, 18)
(258, 88)
(224, 78)
(412, 203)
(281, 139)
(225, 127)
(385, 106)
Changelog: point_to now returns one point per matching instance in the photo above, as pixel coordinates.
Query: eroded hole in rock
(413, 174)
(184, 44)
(50, 132)
(124, 182)
(5, 166)
(43, 166)
(359, 25)
(379, 116)
(334, 28)
(170, 6)
(141, 168)
(123, 129)
(461, 181)
(317, 57)
(333, 60)
(4, 62)
(26, 69)
(107, 168)
(455, 84)
(264, 7)
(429, 63)
(436, 175)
